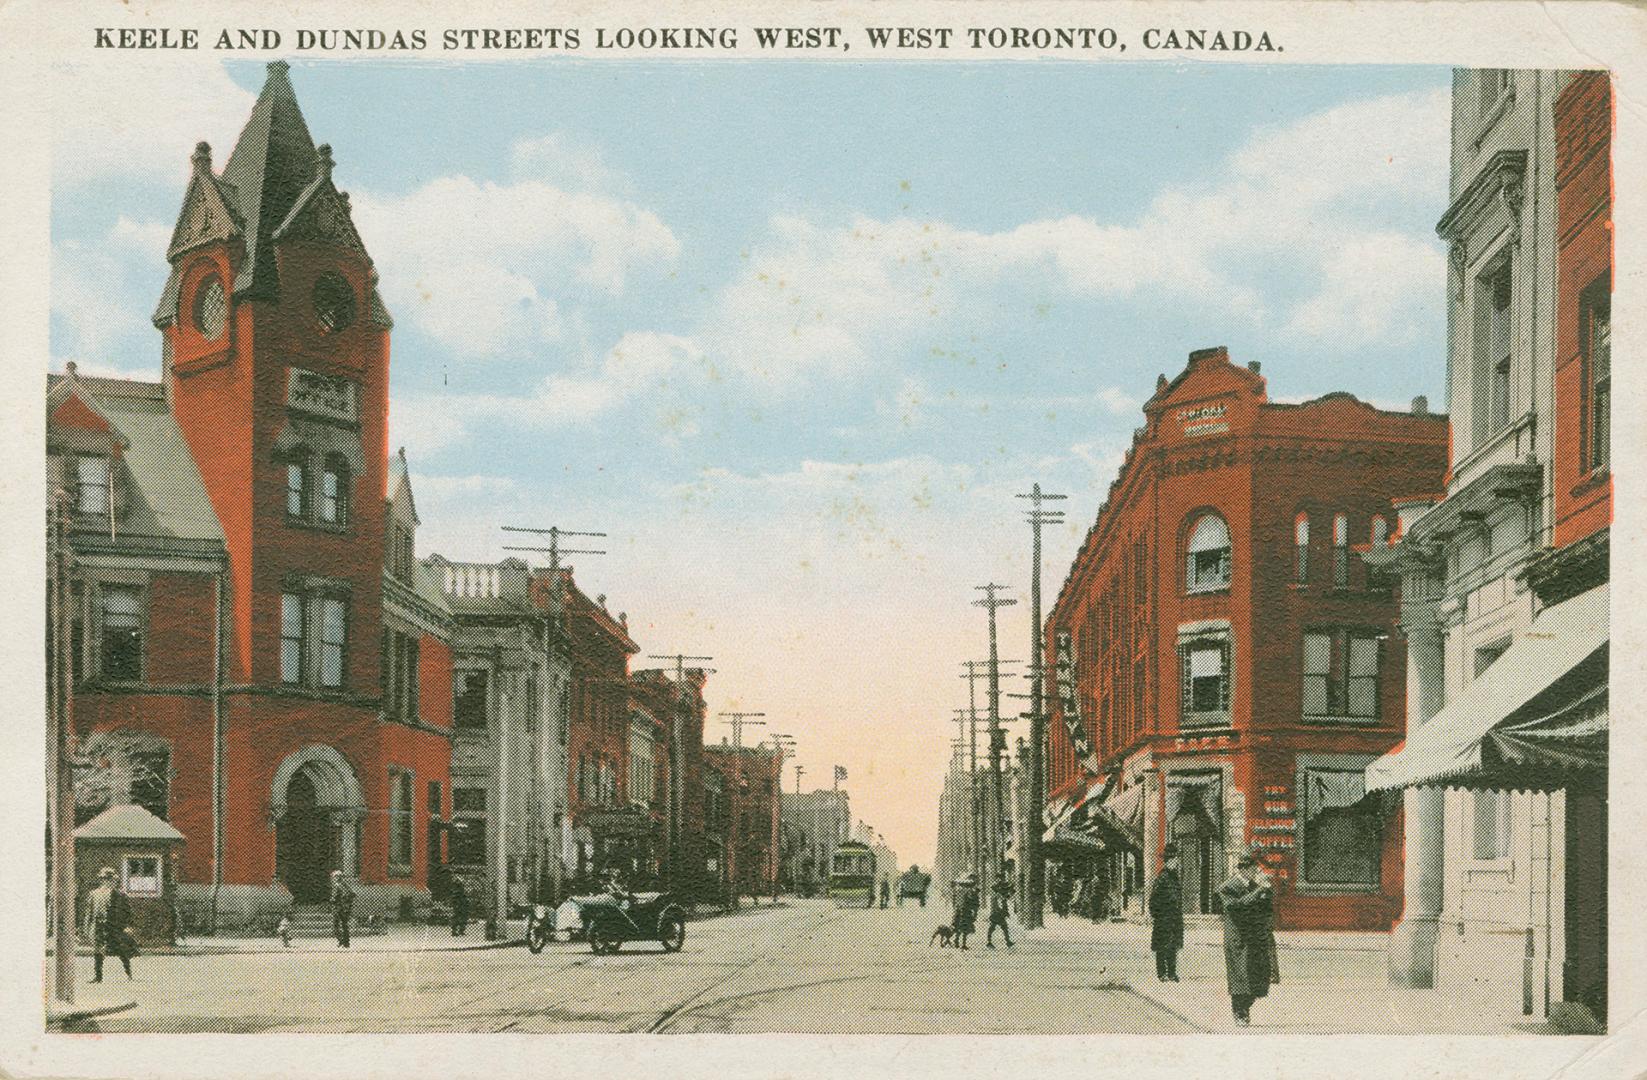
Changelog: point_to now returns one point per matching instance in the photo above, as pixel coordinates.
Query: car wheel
(602, 942)
(672, 933)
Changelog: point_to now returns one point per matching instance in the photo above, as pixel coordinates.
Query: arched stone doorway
(317, 808)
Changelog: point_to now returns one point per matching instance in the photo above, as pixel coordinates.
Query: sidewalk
(1331, 983)
(399, 937)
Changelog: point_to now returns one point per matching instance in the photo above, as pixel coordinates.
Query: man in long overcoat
(1249, 907)
(108, 923)
(1166, 914)
(343, 908)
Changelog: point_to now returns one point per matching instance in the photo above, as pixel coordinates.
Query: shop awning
(1533, 720)
(1127, 806)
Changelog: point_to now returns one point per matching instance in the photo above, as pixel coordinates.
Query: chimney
(202, 158)
(1254, 366)
(1215, 352)
(1421, 405)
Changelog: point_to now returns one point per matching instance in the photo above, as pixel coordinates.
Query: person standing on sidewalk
(460, 906)
(1249, 906)
(966, 909)
(1166, 913)
(343, 907)
(886, 892)
(108, 924)
(999, 894)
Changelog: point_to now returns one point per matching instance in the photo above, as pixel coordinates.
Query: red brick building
(607, 831)
(692, 844)
(747, 824)
(312, 732)
(1229, 661)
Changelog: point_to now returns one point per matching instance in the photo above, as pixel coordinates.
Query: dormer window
(211, 308)
(334, 302)
(92, 474)
(1208, 562)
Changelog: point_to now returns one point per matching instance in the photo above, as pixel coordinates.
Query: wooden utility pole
(997, 738)
(59, 762)
(1034, 864)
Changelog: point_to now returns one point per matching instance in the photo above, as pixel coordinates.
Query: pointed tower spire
(272, 163)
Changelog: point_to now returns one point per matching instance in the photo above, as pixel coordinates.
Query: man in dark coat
(108, 923)
(886, 892)
(343, 908)
(1249, 906)
(1166, 913)
(459, 900)
(999, 893)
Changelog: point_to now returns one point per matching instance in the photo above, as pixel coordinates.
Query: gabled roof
(400, 485)
(126, 822)
(579, 604)
(165, 497)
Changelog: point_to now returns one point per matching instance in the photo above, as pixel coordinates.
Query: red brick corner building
(248, 491)
(1232, 666)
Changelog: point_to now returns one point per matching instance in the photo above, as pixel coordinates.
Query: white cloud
(1377, 288)
(1306, 203)
(140, 118)
(565, 161)
(102, 292)
(476, 264)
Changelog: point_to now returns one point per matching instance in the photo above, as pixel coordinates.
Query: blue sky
(794, 333)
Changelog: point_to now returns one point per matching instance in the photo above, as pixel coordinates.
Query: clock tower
(276, 368)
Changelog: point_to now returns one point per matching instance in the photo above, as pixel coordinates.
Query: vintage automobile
(609, 920)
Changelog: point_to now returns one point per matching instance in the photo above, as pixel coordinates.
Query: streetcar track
(692, 1002)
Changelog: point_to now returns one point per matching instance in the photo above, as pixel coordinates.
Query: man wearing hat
(343, 906)
(1166, 914)
(1249, 907)
(108, 923)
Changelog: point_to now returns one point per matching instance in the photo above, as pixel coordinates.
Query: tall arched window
(1380, 530)
(334, 491)
(1341, 551)
(1208, 560)
(1301, 545)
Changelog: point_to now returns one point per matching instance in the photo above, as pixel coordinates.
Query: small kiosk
(140, 848)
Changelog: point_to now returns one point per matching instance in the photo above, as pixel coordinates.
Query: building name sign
(1203, 420)
(1069, 704)
(322, 395)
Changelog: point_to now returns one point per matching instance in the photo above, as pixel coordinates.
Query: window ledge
(1301, 888)
(1209, 590)
(398, 871)
(1348, 721)
(318, 526)
(1593, 479)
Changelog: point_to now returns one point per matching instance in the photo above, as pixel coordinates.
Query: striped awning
(1534, 719)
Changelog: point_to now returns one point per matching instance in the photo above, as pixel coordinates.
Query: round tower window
(211, 308)
(334, 303)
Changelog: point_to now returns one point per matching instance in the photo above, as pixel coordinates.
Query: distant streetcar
(852, 875)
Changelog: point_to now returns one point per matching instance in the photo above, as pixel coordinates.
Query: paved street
(802, 967)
